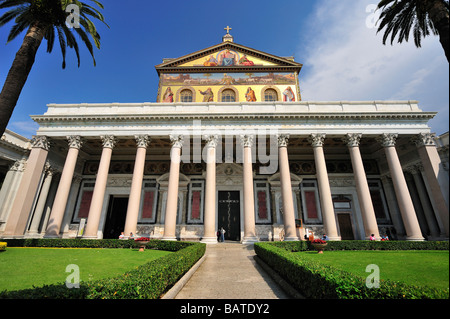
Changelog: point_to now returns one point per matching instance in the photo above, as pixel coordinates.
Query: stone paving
(229, 271)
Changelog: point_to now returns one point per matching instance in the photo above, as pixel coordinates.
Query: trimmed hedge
(319, 281)
(149, 281)
(96, 243)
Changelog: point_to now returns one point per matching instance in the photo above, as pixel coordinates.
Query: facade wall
(268, 199)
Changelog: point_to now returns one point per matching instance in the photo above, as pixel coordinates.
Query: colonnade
(22, 206)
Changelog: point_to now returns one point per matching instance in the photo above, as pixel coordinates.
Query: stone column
(362, 186)
(210, 236)
(431, 162)
(43, 196)
(405, 203)
(26, 193)
(62, 194)
(326, 201)
(424, 201)
(98, 196)
(134, 202)
(10, 186)
(286, 190)
(249, 199)
(170, 222)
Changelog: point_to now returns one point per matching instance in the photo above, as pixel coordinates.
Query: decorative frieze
(150, 168)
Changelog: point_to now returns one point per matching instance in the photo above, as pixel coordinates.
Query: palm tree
(422, 17)
(43, 19)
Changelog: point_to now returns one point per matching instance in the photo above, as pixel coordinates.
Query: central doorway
(115, 219)
(229, 213)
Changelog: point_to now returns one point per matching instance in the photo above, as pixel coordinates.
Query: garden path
(229, 271)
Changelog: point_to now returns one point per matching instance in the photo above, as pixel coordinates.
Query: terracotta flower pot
(142, 244)
(319, 247)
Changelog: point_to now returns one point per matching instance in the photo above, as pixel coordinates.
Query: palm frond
(51, 15)
(402, 18)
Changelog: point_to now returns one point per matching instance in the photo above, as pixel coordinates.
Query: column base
(249, 240)
(413, 238)
(291, 239)
(209, 240)
(334, 238)
(169, 238)
(89, 237)
(51, 236)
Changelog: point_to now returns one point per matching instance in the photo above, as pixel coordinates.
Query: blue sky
(343, 58)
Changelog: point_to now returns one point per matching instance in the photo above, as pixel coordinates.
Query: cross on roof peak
(228, 37)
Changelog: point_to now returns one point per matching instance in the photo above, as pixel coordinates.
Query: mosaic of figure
(211, 61)
(289, 95)
(227, 58)
(168, 96)
(245, 61)
(250, 95)
(208, 95)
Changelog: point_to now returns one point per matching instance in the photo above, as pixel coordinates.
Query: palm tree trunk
(19, 72)
(438, 13)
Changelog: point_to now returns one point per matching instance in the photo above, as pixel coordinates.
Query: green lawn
(22, 268)
(420, 268)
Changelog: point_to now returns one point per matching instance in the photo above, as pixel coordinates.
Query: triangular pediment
(228, 55)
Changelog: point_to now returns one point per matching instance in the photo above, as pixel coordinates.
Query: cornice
(228, 116)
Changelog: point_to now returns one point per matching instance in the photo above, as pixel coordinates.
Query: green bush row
(149, 281)
(319, 281)
(295, 246)
(95, 243)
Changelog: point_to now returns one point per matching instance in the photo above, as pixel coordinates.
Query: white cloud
(346, 60)
(24, 128)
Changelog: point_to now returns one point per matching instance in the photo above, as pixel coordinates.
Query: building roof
(274, 63)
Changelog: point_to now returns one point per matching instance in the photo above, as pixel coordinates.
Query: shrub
(318, 281)
(148, 281)
(3, 246)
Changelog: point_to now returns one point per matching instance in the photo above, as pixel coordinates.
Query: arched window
(270, 95)
(186, 96)
(228, 96)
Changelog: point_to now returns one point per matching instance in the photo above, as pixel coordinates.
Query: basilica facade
(231, 144)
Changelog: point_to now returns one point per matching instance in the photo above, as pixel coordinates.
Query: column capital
(40, 142)
(388, 139)
(177, 140)
(424, 139)
(18, 166)
(75, 141)
(247, 140)
(317, 139)
(49, 169)
(414, 168)
(352, 140)
(283, 140)
(142, 141)
(109, 141)
(211, 140)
